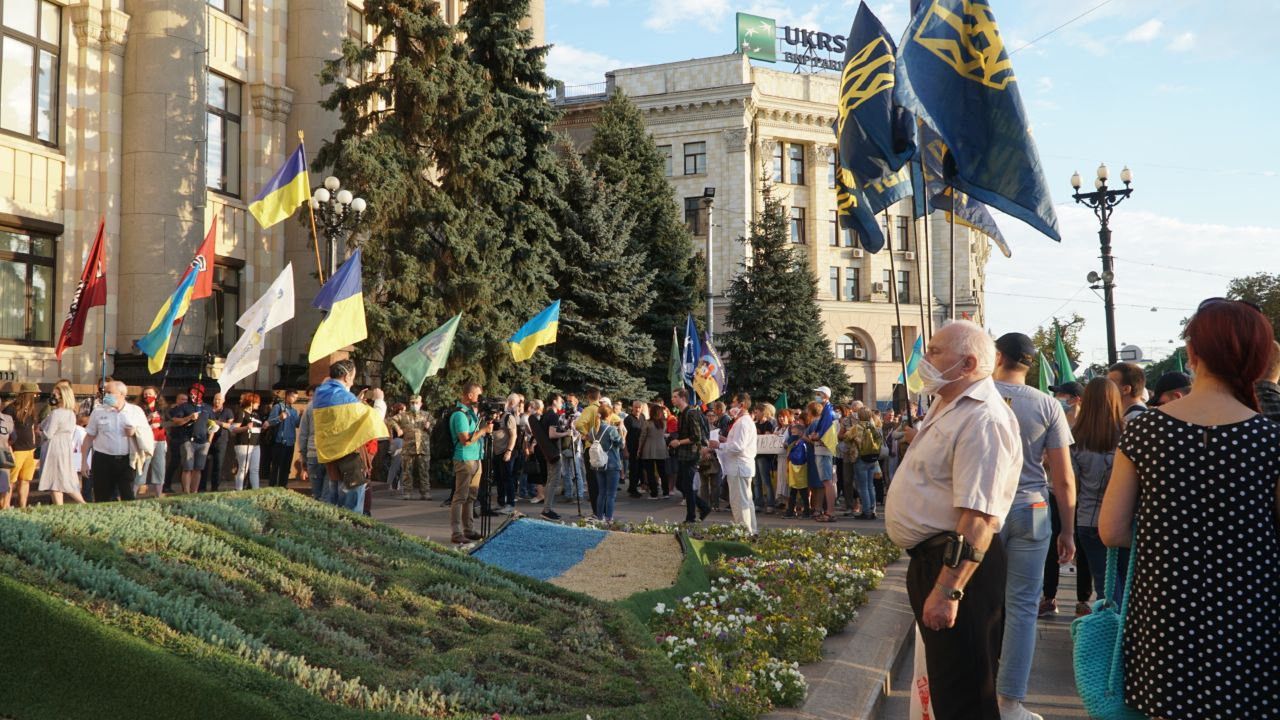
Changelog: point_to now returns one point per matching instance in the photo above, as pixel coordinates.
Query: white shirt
(380, 407)
(967, 455)
(737, 454)
(106, 427)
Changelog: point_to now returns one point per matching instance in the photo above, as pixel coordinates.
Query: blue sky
(1182, 92)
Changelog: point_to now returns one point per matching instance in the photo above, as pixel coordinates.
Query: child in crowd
(798, 454)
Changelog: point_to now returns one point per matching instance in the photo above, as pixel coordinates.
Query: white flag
(270, 311)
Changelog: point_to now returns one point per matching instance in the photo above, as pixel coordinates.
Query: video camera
(490, 407)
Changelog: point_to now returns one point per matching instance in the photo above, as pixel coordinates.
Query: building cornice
(99, 28)
(273, 102)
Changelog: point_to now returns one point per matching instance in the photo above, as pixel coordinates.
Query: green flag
(674, 373)
(782, 401)
(1177, 354)
(1065, 375)
(1046, 376)
(424, 358)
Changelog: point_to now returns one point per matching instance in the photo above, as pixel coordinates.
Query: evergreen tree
(775, 342)
(603, 286)
(417, 142)
(623, 155)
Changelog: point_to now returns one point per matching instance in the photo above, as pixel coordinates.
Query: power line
(1091, 302)
(1171, 267)
(1045, 35)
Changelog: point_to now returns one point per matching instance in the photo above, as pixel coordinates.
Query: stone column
(163, 184)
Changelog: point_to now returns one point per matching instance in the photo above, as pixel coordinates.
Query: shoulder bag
(1097, 640)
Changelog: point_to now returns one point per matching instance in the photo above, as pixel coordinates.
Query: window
(859, 391)
(831, 171)
(851, 238)
(887, 278)
(222, 158)
(777, 162)
(902, 236)
(849, 347)
(904, 286)
(897, 343)
(230, 7)
(225, 306)
(30, 32)
(355, 33)
(833, 228)
(797, 225)
(665, 152)
(694, 214)
(695, 158)
(27, 286)
(852, 287)
(834, 287)
(796, 169)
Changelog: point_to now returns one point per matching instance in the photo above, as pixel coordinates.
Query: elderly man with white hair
(109, 434)
(945, 507)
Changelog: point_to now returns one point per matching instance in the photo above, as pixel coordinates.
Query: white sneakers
(1015, 710)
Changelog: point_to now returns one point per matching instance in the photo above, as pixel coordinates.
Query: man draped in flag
(270, 311)
(427, 356)
(540, 330)
(344, 427)
(708, 377)
(284, 192)
(196, 283)
(90, 293)
(342, 297)
(954, 73)
(823, 433)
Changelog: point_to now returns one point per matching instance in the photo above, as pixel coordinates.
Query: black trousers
(112, 477)
(963, 660)
(213, 464)
(281, 464)
(684, 483)
(593, 485)
(1051, 567)
(655, 476)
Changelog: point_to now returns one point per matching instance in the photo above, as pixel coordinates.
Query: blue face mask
(109, 400)
(1066, 406)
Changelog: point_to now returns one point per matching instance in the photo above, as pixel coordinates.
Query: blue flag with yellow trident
(931, 183)
(874, 135)
(954, 73)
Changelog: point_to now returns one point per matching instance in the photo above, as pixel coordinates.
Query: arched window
(849, 347)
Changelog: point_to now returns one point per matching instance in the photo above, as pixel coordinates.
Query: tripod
(486, 487)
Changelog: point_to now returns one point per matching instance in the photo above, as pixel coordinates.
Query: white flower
(659, 608)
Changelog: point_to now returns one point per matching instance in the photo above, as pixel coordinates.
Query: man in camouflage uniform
(414, 426)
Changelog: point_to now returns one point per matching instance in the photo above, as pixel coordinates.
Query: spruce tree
(624, 155)
(775, 342)
(603, 286)
(416, 141)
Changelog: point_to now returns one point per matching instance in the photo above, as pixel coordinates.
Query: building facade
(723, 123)
(157, 117)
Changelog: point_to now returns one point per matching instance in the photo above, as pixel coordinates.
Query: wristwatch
(954, 594)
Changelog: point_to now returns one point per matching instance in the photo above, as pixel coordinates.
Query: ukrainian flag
(825, 427)
(155, 344)
(539, 331)
(343, 299)
(284, 192)
(913, 381)
(343, 423)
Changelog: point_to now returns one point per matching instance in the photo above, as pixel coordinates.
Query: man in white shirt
(945, 507)
(737, 455)
(109, 434)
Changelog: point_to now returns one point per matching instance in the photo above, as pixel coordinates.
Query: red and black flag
(90, 293)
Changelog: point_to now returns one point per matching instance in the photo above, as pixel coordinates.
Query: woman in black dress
(1199, 479)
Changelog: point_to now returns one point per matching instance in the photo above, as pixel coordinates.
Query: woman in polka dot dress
(1202, 628)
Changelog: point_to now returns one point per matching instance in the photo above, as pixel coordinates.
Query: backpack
(870, 441)
(596, 453)
(443, 441)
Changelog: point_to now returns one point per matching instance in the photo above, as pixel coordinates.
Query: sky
(1182, 92)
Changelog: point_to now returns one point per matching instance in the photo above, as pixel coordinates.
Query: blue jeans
(353, 499)
(316, 472)
(332, 493)
(608, 492)
(763, 483)
(1091, 545)
(864, 477)
(1026, 541)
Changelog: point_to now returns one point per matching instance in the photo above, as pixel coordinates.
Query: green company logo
(757, 37)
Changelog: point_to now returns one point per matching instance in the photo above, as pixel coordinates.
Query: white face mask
(932, 379)
(415, 407)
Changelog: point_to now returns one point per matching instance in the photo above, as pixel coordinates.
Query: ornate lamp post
(338, 213)
(1103, 202)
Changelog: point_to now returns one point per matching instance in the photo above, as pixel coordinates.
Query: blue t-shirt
(1043, 426)
(197, 431)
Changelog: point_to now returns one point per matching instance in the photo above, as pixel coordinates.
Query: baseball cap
(1073, 389)
(1018, 347)
(1172, 380)
(823, 389)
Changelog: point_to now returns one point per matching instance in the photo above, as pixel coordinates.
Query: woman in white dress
(61, 465)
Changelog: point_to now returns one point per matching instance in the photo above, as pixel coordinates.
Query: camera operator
(468, 453)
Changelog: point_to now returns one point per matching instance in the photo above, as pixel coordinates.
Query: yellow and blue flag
(825, 428)
(539, 331)
(155, 344)
(709, 377)
(343, 423)
(284, 192)
(954, 73)
(875, 137)
(343, 299)
(913, 382)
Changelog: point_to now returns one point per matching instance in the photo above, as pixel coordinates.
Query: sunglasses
(1214, 300)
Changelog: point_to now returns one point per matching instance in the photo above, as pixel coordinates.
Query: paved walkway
(1052, 691)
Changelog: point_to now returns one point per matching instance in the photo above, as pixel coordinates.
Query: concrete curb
(852, 680)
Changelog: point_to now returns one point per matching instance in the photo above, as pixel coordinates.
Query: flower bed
(740, 643)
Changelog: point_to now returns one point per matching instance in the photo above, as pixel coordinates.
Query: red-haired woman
(246, 429)
(1198, 479)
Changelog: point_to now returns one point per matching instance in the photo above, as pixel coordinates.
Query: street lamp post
(1103, 202)
(338, 213)
(708, 198)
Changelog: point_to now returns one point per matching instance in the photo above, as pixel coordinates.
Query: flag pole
(315, 238)
(926, 325)
(104, 346)
(897, 309)
(951, 256)
(164, 379)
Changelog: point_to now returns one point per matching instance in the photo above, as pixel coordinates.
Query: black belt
(937, 542)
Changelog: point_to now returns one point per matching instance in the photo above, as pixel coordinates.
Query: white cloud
(668, 14)
(786, 16)
(1041, 267)
(575, 66)
(1183, 42)
(1146, 32)
(1044, 84)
